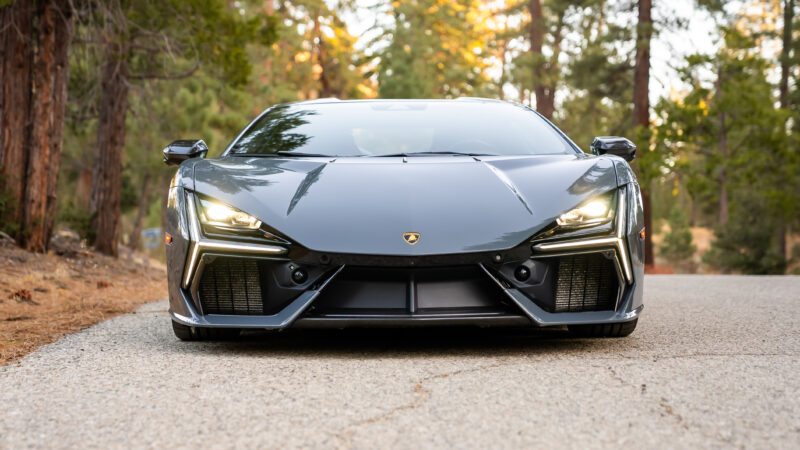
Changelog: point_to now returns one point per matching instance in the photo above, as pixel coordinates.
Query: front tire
(187, 333)
(604, 330)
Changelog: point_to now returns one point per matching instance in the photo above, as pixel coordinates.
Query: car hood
(365, 205)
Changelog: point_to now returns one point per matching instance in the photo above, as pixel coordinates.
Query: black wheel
(186, 333)
(604, 329)
(182, 332)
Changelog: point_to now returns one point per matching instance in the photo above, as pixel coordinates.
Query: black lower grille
(410, 291)
(231, 286)
(585, 283)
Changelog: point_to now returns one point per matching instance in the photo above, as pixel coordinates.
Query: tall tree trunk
(63, 36)
(83, 190)
(107, 176)
(270, 9)
(722, 179)
(536, 36)
(641, 76)
(4, 19)
(35, 199)
(641, 108)
(722, 146)
(545, 73)
(16, 85)
(136, 234)
(788, 18)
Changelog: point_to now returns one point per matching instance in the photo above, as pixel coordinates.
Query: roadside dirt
(45, 296)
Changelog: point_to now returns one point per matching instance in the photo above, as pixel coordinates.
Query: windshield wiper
(433, 153)
(283, 153)
(287, 153)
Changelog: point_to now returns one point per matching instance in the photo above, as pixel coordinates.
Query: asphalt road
(713, 363)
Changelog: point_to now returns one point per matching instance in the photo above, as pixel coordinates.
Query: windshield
(390, 128)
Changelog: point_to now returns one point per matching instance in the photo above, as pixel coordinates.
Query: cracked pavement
(713, 363)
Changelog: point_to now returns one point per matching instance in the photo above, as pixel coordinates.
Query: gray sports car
(333, 213)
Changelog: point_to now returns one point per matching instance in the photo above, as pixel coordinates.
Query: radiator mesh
(585, 283)
(231, 286)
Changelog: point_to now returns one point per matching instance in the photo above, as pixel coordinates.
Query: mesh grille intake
(231, 286)
(585, 283)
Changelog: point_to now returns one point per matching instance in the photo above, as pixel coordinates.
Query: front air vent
(231, 285)
(585, 282)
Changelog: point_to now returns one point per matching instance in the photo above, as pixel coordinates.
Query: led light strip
(197, 244)
(617, 241)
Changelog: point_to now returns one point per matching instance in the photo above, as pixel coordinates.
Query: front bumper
(314, 304)
(292, 315)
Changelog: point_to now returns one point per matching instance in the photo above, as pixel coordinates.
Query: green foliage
(746, 242)
(313, 45)
(677, 247)
(725, 136)
(202, 69)
(171, 37)
(600, 78)
(434, 50)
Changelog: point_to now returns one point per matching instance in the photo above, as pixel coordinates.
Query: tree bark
(788, 17)
(723, 196)
(641, 108)
(552, 72)
(83, 190)
(641, 76)
(722, 146)
(63, 36)
(107, 176)
(35, 198)
(136, 234)
(17, 30)
(4, 19)
(270, 9)
(536, 36)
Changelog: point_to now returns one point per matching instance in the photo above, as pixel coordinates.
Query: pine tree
(677, 247)
(434, 49)
(731, 132)
(146, 40)
(34, 43)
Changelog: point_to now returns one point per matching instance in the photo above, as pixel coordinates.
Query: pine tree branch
(166, 76)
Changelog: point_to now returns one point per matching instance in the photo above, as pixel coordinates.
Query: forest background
(92, 90)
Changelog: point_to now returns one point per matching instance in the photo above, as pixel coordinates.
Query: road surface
(713, 363)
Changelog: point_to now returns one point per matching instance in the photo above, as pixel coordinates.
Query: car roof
(319, 101)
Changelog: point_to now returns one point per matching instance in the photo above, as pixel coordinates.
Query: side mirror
(180, 151)
(614, 145)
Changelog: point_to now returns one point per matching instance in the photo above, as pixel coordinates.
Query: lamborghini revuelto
(331, 213)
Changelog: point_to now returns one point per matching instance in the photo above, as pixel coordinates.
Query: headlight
(220, 215)
(596, 211)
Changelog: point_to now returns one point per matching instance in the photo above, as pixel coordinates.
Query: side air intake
(585, 282)
(231, 286)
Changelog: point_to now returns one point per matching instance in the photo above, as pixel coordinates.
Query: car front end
(527, 249)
